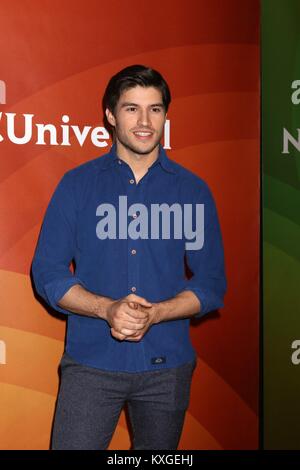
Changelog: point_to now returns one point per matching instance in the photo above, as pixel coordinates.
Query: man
(127, 220)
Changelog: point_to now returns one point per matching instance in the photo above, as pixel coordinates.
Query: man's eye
(131, 108)
(156, 110)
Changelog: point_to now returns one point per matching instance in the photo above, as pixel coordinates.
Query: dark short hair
(131, 77)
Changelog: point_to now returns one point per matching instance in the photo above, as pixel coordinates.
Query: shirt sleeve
(207, 263)
(56, 247)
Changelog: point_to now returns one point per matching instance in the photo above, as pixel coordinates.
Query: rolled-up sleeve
(208, 281)
(56, 247)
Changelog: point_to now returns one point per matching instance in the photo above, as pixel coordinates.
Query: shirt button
(131, 181)
(134, 216)
(133, 252)
(133, 289)
(119, 161)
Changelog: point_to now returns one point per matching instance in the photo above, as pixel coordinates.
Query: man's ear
(110, 117)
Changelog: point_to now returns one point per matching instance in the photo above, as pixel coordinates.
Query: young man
(127, 220)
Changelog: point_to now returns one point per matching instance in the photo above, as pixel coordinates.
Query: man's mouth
(143, 135)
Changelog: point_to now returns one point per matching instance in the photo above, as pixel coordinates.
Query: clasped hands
(131, 317)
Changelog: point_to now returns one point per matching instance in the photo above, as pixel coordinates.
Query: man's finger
(136, 313)
(134, 326)
(127, 332)
(117, 335)
(139, 300)
(134, 305)
(134, 338)
(121, 337)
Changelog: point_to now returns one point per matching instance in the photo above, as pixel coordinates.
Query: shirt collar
(162, 159)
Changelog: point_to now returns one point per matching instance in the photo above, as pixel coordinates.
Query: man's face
(138, 119)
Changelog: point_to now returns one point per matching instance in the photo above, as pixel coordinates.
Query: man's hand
(183, 305)
(152, 313)
(130, 317)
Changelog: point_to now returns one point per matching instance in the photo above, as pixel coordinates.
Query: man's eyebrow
(127, 103)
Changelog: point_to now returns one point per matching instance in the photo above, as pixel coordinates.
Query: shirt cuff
(209, 300)
(201, 297)
(55, 290)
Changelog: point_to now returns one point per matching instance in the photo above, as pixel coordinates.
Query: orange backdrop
(56, 59)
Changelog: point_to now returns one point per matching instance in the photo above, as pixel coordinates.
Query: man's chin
(143, 152)
(143, 149)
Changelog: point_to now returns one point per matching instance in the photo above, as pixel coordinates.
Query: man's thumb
(133, 305)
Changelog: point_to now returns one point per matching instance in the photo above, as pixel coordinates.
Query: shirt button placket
(133, 190)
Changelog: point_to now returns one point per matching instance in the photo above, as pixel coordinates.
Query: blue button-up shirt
(122, 262)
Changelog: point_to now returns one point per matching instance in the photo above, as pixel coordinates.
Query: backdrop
(56, 59)
(281, 215)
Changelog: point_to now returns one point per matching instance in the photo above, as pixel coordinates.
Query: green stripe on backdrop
(281, 223)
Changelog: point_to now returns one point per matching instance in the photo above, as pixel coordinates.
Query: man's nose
(144, 118)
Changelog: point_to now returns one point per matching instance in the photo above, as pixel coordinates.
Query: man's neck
(139, 163)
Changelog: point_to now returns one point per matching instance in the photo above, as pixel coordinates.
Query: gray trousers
(90, 401)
